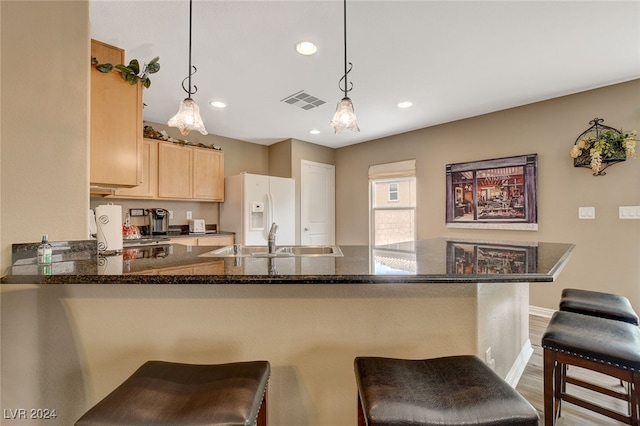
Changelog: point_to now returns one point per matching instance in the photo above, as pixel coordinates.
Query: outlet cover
(629, 212)
(586, 212)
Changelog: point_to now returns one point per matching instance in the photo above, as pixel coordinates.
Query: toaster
(196, 226)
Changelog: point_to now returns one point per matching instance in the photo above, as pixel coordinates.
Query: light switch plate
(629, 212)
(586, 212)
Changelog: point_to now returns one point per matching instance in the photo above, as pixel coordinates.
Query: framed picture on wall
(493, 194)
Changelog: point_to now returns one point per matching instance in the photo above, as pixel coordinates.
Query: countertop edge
(278, 279)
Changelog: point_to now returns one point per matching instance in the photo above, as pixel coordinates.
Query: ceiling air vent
(303, 100)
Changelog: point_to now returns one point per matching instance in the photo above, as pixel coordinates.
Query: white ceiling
(452, 59)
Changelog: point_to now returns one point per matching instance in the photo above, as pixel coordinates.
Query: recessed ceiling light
(306, 48)
(405, 104)
(314, 132)
(218, 104)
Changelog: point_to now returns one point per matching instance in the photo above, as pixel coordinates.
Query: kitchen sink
(238, 250)
(331, 251)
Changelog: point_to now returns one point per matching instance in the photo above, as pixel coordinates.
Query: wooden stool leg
(361, 420)
(550, 390)
(262, 414)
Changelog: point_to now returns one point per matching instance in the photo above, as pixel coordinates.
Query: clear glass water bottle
(44, 251)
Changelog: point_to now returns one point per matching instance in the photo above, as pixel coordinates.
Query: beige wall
(45, 121)
(608, 249)
(280, 159)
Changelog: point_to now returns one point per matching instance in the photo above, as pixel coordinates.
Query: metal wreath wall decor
(601, 146)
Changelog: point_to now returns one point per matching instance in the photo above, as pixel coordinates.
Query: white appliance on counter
(253, 202)
(196, 226)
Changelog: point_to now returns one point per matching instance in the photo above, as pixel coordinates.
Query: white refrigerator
(253, 202)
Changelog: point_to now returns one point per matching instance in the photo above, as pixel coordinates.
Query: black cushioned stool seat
(606, 346)
(166, 393)
(448, 391)
(597, 304)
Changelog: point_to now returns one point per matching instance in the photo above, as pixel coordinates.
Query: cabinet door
(183, 270)
(208, 174)
(105, 53)
(184, 241)
(218, 240)
(116, 130)
(174, 171)
(211, 268)
(149, 186)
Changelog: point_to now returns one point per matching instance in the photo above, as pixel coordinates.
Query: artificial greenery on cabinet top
(132, 73)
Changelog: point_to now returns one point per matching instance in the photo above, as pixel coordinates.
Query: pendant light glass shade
(188, 118)
(345, 117)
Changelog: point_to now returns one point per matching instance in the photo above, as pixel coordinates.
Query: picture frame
(499, 193)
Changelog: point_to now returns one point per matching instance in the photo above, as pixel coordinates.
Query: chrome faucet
(272, 238)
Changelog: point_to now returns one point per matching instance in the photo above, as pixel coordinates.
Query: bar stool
(454, 390)
(598, 304)
(167, 393)
(602, 345)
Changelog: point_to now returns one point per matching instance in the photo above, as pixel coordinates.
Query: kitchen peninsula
(309, 316)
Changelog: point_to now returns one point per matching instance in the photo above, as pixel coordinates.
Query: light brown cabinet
(149, 186)
(215, 267)
(192, 173)
(184, 241)
(208, 174)
(174, 171)
(209, 240)
(116, 123)
(216, 240)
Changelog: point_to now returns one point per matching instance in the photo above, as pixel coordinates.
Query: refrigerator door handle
(269, 215)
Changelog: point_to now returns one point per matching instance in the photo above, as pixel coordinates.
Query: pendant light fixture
(188, 116)
(345, 116)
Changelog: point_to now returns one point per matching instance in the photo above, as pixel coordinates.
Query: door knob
(306, 229)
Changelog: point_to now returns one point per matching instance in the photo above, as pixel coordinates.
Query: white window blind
(406, 168)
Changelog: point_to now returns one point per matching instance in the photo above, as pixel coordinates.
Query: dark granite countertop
(436, 260)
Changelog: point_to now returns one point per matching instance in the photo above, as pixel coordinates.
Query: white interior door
(317, 205)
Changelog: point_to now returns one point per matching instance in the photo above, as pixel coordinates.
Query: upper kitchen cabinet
(149, 186)
(116, 123)
(208, 174)
(174, 171)
(186, 172)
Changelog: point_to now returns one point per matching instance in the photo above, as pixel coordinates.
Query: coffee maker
(158, 220)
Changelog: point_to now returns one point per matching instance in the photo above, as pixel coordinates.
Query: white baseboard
(540, 312)
(513, 376)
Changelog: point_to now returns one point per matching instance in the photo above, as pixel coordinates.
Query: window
(392, 203)
(393, 192)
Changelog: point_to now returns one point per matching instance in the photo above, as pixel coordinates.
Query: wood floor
(530, 386)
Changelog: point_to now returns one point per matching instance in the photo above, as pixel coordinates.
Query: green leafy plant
(131, 73)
